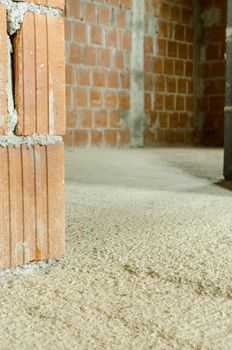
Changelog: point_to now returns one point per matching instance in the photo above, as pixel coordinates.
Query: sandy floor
(149, 258)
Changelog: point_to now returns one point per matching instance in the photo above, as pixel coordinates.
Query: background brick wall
(98, 44)
(211, 85)
(177, 55)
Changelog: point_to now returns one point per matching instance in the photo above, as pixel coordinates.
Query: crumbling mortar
(34, 139)
(30, 269)
(16, 13)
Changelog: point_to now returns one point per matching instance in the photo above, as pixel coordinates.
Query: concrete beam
(137, 76)
(228, 106)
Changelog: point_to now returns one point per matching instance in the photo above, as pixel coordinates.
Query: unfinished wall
(32, 117)
(210, 86)
(184, 72)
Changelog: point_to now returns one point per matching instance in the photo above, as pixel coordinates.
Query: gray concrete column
(137, 75)
(228, 106)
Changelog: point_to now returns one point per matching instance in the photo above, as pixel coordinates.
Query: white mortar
(35, 139)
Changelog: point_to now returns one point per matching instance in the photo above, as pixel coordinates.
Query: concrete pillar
(228, 106)
(137, 75)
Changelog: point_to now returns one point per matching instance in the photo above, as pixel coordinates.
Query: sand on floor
(148, 263)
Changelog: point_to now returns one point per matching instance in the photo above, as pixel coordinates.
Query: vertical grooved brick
(40, 75)
(29, 210)
(55, 170)
(16, 205)
(29, 76)
(56, 71)
(3, 70)
(5, 248)
(42, 123)
(31, 204)
(41, 202)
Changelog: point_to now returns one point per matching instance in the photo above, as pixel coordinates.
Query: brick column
(32, 123)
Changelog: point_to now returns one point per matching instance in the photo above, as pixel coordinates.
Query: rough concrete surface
(148, 262)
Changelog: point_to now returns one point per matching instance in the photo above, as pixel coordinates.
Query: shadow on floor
(227, 185)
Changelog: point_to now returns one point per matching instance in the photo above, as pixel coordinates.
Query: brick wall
(169, 90)
(32, 120)
(98, 44)
(211, 84)
(184, 75)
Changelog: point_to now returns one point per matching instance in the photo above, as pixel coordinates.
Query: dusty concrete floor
(149, 258)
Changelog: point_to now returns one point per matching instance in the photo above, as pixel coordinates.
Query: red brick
(71, 118)
(32, 204)
(114, 2)
(81, 138)
(112, 79)
(3, 70)
(81, 97)
(98, 78)
(158, 65)
(68, 138)
(169, 102)
(68, 30)
(110, 100)
(80, 32)
(69, 74)
(118, 60)
(120, 19)
(168, 66)
(104, 15)
(89, 12)
(104, 57)
(163, 119)
(124, 137)
(110, 137)
(73, 8)
(40, 76)
(100, 118)
(125, 80)
(126, 40)
(76, 54)
(126, 4)
(159, 102)
(112, 38)
(124, 100)
(175, 13)
(95, 98)
(96, 35)
(90, 56)
(86, 118)
(148, 45)
(97, 138)
(83, 78)
(171, 85)
(114, 119)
